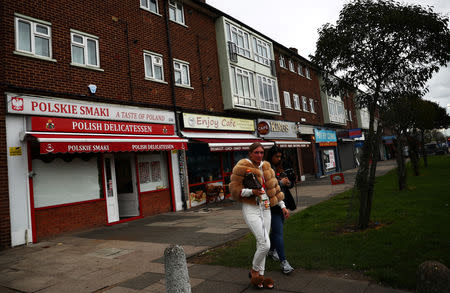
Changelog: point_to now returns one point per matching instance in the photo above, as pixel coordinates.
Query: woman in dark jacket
(279, 212)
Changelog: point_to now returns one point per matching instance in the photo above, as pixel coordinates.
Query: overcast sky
(294, 23)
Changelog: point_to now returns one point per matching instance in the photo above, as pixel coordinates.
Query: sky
(294, 23)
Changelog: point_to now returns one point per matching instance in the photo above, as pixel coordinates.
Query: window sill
(87, 67)
(288, 107)
(156, 80)
(179, 23)
(184, 86)
(148, 10)
(34, 56)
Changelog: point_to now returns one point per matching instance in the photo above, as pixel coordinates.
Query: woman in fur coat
(256, 205)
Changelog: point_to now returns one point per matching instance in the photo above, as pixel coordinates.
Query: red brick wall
(5, 229)
(58, 220)
(156, 202)
(294, 83)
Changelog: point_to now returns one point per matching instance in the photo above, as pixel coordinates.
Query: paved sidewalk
(128, 257)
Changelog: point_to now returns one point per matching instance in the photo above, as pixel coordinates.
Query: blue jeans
(276, 235)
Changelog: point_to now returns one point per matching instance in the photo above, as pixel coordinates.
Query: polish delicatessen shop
(74, 165)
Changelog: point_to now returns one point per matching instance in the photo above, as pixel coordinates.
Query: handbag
(250, 181)
(289, 200)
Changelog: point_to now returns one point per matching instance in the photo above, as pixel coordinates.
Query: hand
(285, 181)
(285, 213)
(258, 192)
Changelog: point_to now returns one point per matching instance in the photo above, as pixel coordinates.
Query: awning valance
(292, 143)
(220, 145)
(88, 143)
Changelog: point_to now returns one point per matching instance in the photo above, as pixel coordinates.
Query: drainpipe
(181, 157)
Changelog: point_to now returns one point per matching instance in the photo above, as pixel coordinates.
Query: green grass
(414, 227)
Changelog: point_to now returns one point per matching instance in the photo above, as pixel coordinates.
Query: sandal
(268, 283)
(256, 280)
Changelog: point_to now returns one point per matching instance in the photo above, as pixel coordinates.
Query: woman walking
(279, 212)
(256, 203)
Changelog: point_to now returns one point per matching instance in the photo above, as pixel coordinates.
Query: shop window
(153, 173)
(203, 165)
(66, 178)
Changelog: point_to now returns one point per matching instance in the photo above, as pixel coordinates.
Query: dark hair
(272, 152)
(254, 146)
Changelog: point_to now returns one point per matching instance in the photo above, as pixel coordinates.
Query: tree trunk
(424, 153)
(401, 166)
(414, 152)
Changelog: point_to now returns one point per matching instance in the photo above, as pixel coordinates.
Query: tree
(385, 48)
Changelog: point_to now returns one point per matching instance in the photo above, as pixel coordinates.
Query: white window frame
(143, 6)
(282, 62)
(291, 66)
(240, 38)
(154, 63)
(86, 37)
(307, 73)
(269, 102)
(349, 112)
(175, 7)
(296, 99)
(262, 51)
(287, 100)
(312, 108)
(182, 64)
(34, 23)
(300, 69)
(243, 85)
(305, 104)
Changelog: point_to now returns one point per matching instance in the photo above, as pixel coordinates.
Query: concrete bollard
(177, 275)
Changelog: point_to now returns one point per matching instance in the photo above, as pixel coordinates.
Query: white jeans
(259, 223)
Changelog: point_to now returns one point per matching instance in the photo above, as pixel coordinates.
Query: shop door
(112, 205)
(126, 185)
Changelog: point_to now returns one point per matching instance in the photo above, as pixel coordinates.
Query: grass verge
(408, 227)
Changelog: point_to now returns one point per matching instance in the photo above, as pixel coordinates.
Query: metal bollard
(177, 275)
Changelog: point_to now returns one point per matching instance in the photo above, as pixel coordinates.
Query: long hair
(272, 152)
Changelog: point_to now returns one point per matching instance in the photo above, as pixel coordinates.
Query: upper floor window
(311, 106)
(287, 100)
(181, 72)
(153, 66)
(33, 36)
(296, 102)
(291, 66)
(150, 5)
(176, 12)
(243, 87)
(300, 69)
(349, 115)
(268, 94)
(307, 73)
(84, 49)
(262, 51)
(282, 62)
(240, 38)
(305, 104)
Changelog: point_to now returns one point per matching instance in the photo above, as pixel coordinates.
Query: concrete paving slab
(142, 281)
(31, 283)
(325, 284)
(218, 287)
(215, 230)
(109, 253)
(297, 281)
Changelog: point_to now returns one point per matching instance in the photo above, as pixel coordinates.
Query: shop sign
(359, 144)
(354, 133)
(53, 124)
(217, 122)
(29, 105)
(325, 135)
(276, 129)
(327, 144)
(337, 178)
(15, 151)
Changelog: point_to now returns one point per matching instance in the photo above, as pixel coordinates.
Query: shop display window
(66, 178)
(203, 165)
(153, 174)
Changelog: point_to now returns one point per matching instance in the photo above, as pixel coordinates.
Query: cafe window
(203, 165)
(153, 173)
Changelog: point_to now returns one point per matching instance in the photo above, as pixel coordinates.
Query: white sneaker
(274, 255)
(286, 267)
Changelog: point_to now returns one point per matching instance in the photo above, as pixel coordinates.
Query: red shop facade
(74, 165)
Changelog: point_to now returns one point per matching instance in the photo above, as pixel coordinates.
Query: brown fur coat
(273, 190)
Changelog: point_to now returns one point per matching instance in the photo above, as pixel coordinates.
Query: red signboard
(337, 178)
(328, 143)
(352, 133)
(53, 124)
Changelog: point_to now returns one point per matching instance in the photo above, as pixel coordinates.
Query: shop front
(347, 149)
(84, 165)
(216, 144)
(326, 147)
(285, 135)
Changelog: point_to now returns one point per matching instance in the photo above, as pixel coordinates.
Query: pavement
(129, 257)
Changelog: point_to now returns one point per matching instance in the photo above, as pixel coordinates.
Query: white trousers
(259, 223)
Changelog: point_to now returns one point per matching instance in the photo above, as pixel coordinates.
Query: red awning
(291, 143)
(220, 145)
(88, 143)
